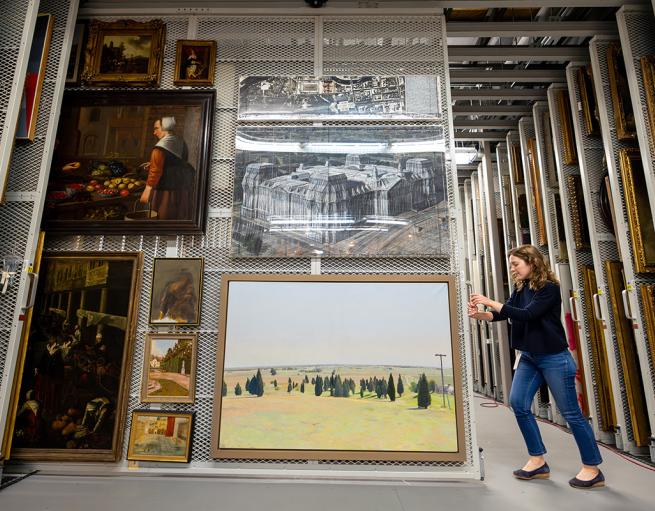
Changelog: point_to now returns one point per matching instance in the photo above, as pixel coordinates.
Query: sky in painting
(273, 324)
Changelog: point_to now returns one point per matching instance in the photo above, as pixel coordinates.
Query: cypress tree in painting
(237, 390)
(400, 386)
(260, 384)
(248, 386)
(424, 399)
(391, 388)
(302, 387)
(306, 379)
(224, 391)
(289, 386)
(318, 388)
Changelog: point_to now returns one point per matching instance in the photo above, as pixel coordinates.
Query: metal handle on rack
(34, 282)
(627, 309)
(574, 309)
(597, 311)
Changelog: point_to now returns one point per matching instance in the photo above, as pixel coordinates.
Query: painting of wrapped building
(340, 191)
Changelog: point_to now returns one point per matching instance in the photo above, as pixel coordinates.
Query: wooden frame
(517, 164)
(240, 287)
(625, 340)
(607, 419)
(535, 174)
(152, 389)
(180, 427)
(29, 110)
(581, 237)
(648, 72)
(195, 62)
(73, 407)
(648, 301)
(550, 167)
(624, 117)
(588, 101)
(74, 71)
(101, 166)
(566, 124)
(143, 70)
(642, 230)
(177, 299)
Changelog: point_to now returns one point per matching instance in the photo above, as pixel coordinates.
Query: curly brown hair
(540, 274)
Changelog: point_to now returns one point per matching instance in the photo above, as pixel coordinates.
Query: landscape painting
(371, 191)
(169, 371)
(353, 367)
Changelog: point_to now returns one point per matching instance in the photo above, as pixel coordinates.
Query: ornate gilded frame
(566, 124)
(145, 380)
(517, 164)
(211, 62)
(621, 102)
(642, 230)
(581, 236)
(628, 354)
(536, 192)
(98, 30)
(648, 301)
(648, 72)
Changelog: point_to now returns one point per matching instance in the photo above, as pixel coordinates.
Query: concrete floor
(629, 487)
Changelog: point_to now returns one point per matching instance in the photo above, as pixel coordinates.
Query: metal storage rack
(248, 45)
(632, 306)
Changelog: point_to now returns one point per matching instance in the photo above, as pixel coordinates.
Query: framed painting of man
(282, 371)
(176, 291)
(130, 161)
(124, 52)
(195, 62)
(169, 368)
(72, 383)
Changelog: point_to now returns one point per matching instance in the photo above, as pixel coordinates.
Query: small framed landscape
(169, 372)
(160, 436)
(306, 381)
(176, 292)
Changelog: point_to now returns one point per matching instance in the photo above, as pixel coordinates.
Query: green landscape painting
(338, 366)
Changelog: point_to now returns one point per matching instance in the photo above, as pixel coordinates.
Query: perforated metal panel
(515, 188)
(506, 204)
(578, 258)
(281, 46)
(598, 50)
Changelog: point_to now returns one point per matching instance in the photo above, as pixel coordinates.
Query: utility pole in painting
(443, 386)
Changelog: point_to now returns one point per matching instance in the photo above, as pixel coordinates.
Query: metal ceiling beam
(486, 124)
(530, 28)
(464, 110)
(507, 75)
(517, 53)
(498, 94)
(481, 136)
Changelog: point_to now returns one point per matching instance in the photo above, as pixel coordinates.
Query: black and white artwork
(371, 191)
(342, 97)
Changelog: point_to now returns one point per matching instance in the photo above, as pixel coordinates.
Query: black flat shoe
(543, 472)
(596, 482)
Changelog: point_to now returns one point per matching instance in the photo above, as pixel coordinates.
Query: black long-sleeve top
(536, 323)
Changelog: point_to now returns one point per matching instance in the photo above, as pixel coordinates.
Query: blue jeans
(557, 370)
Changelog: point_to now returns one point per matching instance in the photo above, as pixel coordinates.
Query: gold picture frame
(601, 371)
(642, 229)
(176, 291)
(517, 164)
(326, 382)
(106, 60)
(624, 117)
(648, 302)
(581, 237)
(160, 436)
(169, 368)
(195, 62)
(648, 72)
(588, 101)
(70, 395)
(629, 358)
(570, 154)
(535, 176)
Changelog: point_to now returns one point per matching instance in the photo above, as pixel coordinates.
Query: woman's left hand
(477, 299)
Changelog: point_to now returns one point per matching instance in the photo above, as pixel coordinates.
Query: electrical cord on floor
(487, 404)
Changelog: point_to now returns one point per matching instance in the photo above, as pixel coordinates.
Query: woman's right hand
(474, 313)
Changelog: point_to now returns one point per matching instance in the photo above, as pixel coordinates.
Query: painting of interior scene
(70, 394)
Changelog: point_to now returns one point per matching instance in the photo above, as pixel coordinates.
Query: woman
(534, 310)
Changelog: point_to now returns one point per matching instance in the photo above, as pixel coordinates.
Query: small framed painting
(169, 369)
(75, 61)
(195, 62)
(29, 107)
(176, 292)
(160, 436)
